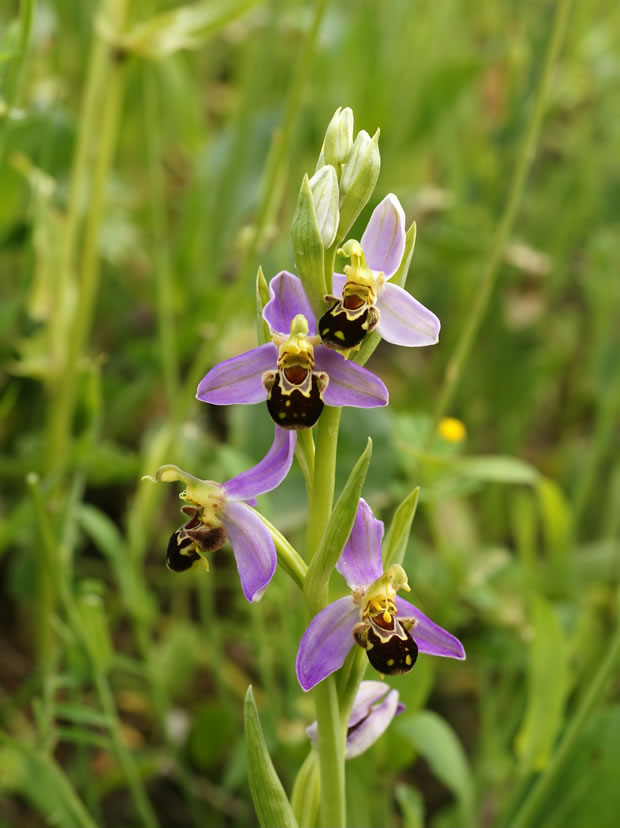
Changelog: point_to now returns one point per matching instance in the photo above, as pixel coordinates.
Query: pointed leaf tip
(270, 801)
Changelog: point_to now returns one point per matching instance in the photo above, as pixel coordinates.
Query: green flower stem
(331, 740)
(594, 693)
(483, 293)
(322, 495)
(304, 451)
(331, 754)
(288, 557)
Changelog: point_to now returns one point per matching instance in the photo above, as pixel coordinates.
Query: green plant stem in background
(454, 370)
(593, 695)
(26, 14)
(97, 134)
(159, 241)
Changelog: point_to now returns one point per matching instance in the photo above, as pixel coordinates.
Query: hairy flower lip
(329, 636)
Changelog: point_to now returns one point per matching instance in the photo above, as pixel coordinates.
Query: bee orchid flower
(390, 629)
(221, 511)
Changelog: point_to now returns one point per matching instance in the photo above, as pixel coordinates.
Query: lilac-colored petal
(287, 300)
(430, 637)
(374, 725)
(338, 282)
(326, 642)
(404, 320)
(253, 548)
(366, 722)
(383, 241)
(349, 383)
(369, 693)
(360, 563)
(269, 472)
(239, 380)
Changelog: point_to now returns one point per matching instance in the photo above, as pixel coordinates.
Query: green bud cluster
(331, 200)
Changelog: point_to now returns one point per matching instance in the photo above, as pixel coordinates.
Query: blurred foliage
(150, 160)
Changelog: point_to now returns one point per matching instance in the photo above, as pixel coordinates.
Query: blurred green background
(150, 159)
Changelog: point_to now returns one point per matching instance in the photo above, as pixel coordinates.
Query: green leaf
(186, 27)
(270, 801)
(395, 543)
(490, 468)
(41, 780)
(438, 744)
(556, 518)
(412, 805)
(336, 532)
(547, 687)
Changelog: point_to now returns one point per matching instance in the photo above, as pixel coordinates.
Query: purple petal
(374, 725)
(253, 548)
(349, 383)
(429, 637)
(269, 472)
(404, 320)
(368, 694)
(239, 380)
(383, 241)
(338, 282)
(287, 300)
(326, 642)
(360, 563)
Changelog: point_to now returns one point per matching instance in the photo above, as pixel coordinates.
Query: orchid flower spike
(294, 373)
(364, 297)
(372, 713)
(221, 511)
(390, 629)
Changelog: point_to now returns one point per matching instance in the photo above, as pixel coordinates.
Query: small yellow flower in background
(452, 430)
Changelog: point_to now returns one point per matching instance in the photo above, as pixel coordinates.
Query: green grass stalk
(484, 291)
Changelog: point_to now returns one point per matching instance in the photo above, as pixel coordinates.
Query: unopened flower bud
(339, 137)
(358, 179)
(313, 230)
(325, 194)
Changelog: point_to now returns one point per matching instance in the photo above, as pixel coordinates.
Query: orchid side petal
(239, 380)
(269, 472)
(360, 563)
(430, 637)
(404, 320)
(253, 547)
(372, 727)
(349, 383)
(384, 238)
(369, 693)
(287, 300)
(326, 642)
(338, 282)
